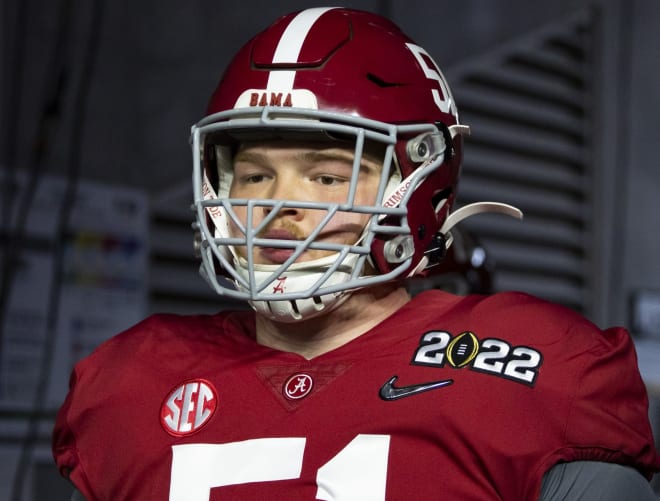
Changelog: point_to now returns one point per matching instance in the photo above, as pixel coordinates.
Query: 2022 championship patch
(491, 356)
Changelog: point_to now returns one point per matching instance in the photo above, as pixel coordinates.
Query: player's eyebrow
(252, 157)
(310, 156)
(326, 155)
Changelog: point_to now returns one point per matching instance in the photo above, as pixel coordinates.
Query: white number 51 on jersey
(358, 471)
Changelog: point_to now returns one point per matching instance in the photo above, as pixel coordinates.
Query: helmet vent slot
(380, 82)
(294, 307)
(438, 197)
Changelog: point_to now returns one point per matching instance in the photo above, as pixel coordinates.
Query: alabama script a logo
(280, 286)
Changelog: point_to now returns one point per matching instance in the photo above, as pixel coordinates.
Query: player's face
(301, 172)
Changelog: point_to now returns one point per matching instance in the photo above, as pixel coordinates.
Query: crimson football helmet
(346, 77)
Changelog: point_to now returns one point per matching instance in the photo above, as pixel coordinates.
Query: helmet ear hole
(438, 198)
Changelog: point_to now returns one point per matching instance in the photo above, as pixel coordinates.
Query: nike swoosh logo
(389, 392)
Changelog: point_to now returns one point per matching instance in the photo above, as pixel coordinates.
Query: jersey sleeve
(108, 436)
(607, 418)
(589, 399)
(99, 387)
(65, 450)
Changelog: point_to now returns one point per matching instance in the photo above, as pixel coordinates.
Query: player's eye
(253, 179)
(246, 173)
(330, 180)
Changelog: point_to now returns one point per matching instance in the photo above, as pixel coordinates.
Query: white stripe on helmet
(289, 46)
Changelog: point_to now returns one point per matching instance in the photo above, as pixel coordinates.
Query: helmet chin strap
(306, 274)
(472, 210)
(463, 213)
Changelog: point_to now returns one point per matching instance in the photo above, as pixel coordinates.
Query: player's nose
(284, 189)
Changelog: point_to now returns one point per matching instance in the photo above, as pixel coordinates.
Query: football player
(325, 172)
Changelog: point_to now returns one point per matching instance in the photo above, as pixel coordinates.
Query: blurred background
(96, 103)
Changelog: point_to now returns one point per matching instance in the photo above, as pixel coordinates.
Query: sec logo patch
(188, 407)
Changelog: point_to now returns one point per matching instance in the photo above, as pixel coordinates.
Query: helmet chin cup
(302, 278)
(295, 310)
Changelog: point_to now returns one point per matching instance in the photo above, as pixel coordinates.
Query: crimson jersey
(470, 398)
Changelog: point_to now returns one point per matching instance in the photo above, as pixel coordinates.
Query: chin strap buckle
(472, 210)
(443, 239)
(436, 250)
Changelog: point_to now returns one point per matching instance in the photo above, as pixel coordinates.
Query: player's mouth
(277, 255)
